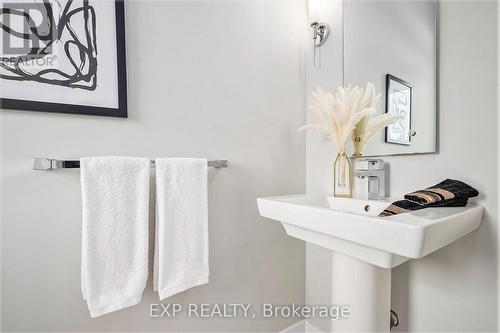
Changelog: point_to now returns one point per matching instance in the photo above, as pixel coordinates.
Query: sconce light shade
(314, 7)
(321, 30)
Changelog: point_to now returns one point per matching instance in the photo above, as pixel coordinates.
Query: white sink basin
(365, 247)
(352, 227)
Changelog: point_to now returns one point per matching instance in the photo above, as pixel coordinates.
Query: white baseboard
(302, 326)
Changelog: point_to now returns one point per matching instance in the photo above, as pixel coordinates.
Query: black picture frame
(121, 111)
(391, 78)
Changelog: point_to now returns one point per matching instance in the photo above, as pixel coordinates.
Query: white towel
(115, 199)
(181, 251)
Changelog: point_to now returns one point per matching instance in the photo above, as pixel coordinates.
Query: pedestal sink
(365, 247)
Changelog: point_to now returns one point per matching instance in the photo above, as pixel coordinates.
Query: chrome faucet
(369, 179)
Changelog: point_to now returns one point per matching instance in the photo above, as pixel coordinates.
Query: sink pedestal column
(366, 289)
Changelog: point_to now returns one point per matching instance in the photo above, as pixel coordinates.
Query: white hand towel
(181, 251)
(115, 199)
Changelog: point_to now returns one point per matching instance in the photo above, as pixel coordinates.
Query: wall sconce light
(321, 33)
(321, 30)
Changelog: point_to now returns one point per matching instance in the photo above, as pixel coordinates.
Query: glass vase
(342, 176)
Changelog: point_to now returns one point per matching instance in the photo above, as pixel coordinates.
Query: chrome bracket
(43, 163)
(321, 31)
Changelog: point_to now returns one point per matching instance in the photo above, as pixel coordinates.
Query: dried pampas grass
(338, 115)
(368, 126)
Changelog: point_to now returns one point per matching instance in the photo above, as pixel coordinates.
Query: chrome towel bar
(42, 163)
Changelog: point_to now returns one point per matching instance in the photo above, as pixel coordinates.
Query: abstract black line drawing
(61, 49)
(80, 51)
(399, 102)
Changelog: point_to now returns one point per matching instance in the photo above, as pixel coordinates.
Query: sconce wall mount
(321, 31)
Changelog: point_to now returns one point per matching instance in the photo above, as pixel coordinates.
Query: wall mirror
(393, 44)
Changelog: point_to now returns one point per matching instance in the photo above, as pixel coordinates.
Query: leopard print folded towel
(448, 193)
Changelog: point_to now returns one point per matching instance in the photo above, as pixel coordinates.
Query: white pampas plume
(367, 127)
(338, 115)
(377, 123)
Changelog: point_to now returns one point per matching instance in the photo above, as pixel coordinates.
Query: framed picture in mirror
(399, 102)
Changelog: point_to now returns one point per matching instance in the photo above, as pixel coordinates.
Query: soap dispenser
(369, 179)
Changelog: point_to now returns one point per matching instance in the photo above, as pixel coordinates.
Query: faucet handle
(369, 164)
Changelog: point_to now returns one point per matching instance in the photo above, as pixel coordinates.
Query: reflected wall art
(399, 102)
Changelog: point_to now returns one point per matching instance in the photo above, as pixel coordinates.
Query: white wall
(454, 289)
(215, 79)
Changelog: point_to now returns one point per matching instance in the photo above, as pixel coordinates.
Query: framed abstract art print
(399, 102)
(63, 56)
